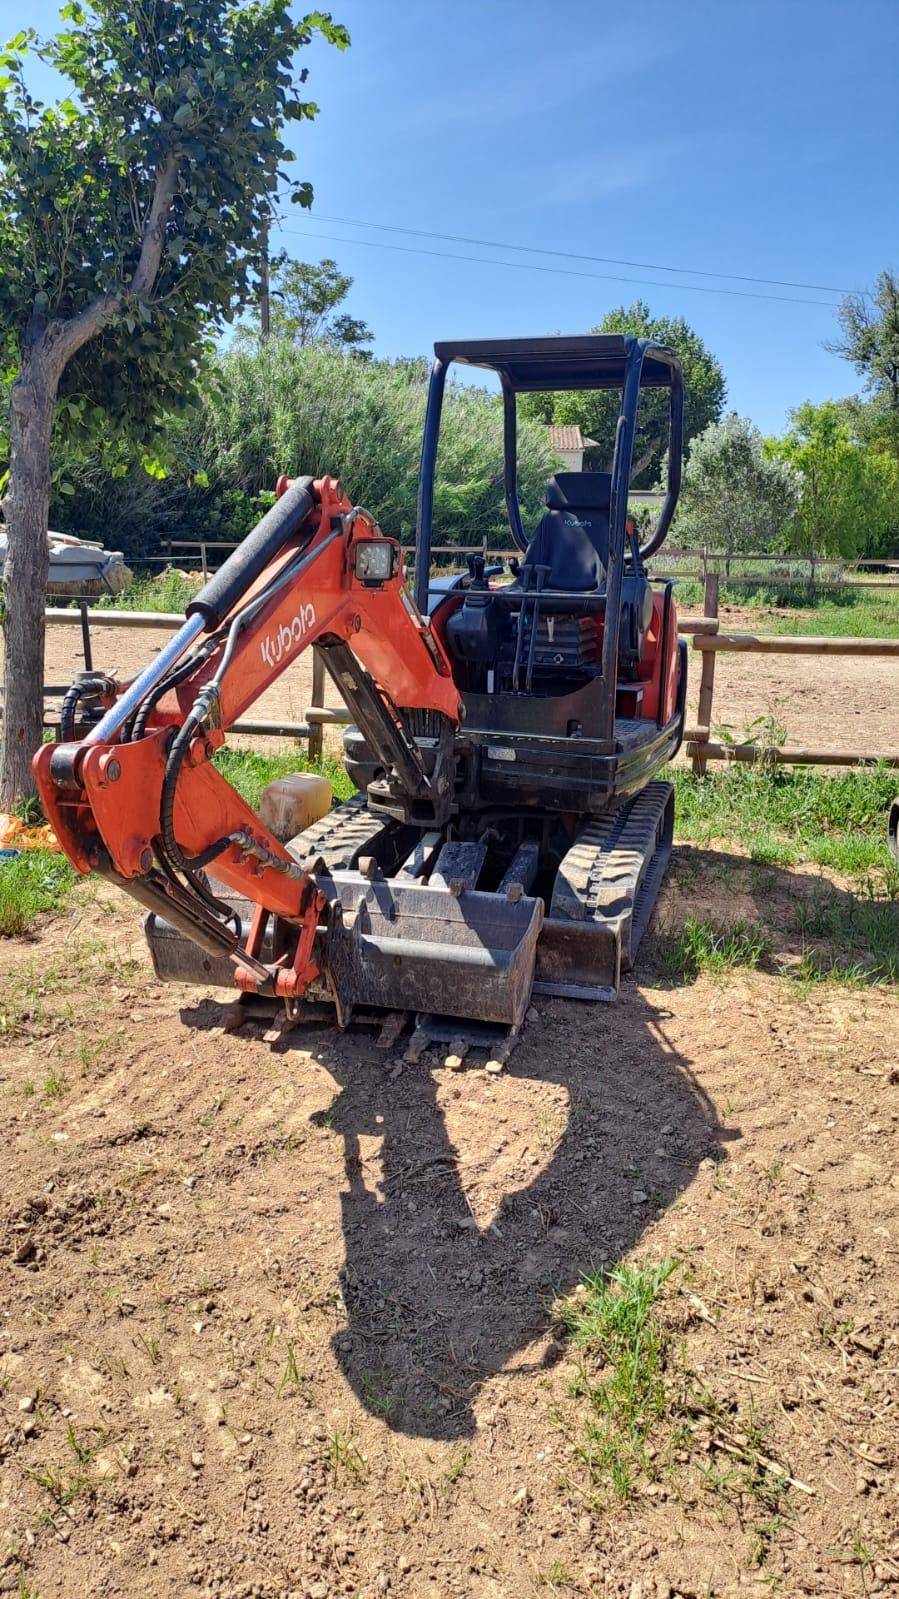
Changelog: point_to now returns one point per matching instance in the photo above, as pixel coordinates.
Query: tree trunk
(27, 509)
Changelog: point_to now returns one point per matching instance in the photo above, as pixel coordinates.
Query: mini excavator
(509, 833)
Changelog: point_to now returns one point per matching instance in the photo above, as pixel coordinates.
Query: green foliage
(282, 408)
(624, 1346)
(249, 772)
(869, 338)
(597, 413)
(190, 93)
(850, 495)
(168, 590)
(837, 821)
(704, 946)
(735, 495)
(31, 884)
(305, 297)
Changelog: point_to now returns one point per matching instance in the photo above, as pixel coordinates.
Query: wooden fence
(702, 632)
(814, 574)
(708, 640)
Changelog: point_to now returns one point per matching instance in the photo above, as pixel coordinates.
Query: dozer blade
(409, 946)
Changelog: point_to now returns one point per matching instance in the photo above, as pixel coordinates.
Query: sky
(755, 139)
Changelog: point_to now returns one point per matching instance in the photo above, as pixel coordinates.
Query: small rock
(454, 1062)
(26, 1403)
(585, 1526)
(197, 1460)
(404, 1563)
(164, 1211)
(639, 1196)
(494, 1067)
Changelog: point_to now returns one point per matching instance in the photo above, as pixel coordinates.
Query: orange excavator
(508, 834)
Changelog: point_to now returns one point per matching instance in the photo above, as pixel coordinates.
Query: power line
(568, 272)
(573, 255)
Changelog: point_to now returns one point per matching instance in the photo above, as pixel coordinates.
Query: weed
(55, 1083)
(704, 946)
(556, 1576)
(28, 1089)
(291, 1378)
(345, 1456)
(835, 821)
(150, 1346)
(615, 1326)
(62, 1485)
(31, 884)
(457, 1464)
(377, 1399)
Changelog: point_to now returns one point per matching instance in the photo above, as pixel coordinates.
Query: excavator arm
(139, 798)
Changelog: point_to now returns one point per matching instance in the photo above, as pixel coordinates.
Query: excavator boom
(140, 799)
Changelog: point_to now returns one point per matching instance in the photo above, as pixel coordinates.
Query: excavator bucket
(401, 946)
(415, 947)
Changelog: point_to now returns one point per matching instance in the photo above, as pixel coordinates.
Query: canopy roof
(577, 361)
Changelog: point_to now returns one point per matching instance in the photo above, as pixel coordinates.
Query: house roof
(568, 436)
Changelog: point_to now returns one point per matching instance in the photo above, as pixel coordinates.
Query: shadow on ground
(608, 1126)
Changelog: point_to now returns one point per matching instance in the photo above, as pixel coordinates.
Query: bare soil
(279, 1320)
(853, 698)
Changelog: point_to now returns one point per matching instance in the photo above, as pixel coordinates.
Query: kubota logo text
(275, 646)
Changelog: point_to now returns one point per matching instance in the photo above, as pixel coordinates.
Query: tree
(735, 495)
(132, 222)
(596, 413)
(305, 297)
(869, 338)
(850, 495)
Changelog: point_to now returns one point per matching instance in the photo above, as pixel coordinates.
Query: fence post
(86, 636)
(706, 673)
(316, 731)
(204, 562)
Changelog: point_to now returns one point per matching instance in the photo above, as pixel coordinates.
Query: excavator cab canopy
(528, 366)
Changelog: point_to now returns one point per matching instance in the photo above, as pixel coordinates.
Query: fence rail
(702, 632)
(708, 563)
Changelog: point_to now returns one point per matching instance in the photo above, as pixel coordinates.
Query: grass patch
(249, 772)
(621, 1338)
(836, 613)
(705, 946)
(168, 590)
(648, 1416)
(32, 884)
(784, 817)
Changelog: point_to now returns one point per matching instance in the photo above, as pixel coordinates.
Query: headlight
(374, 560)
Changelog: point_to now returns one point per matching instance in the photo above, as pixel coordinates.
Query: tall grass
(264, 411)
(784, 817)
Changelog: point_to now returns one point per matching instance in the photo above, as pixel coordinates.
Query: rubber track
(601, 875)
(339, 838)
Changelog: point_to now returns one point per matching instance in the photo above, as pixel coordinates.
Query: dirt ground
(279, 1320)
(854, 698)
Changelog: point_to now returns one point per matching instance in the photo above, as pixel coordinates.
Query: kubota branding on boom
(275, 646)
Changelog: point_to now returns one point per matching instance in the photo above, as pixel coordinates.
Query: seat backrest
(573, 536)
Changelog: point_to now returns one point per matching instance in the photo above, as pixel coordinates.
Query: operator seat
(572, 539)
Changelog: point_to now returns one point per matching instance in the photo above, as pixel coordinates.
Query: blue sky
(744, 137)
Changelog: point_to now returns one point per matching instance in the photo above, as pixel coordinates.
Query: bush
(279, 408)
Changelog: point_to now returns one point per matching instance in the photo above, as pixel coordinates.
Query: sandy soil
(850, 702)
(278, 1321)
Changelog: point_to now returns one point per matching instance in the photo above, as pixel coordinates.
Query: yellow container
(290, 804)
